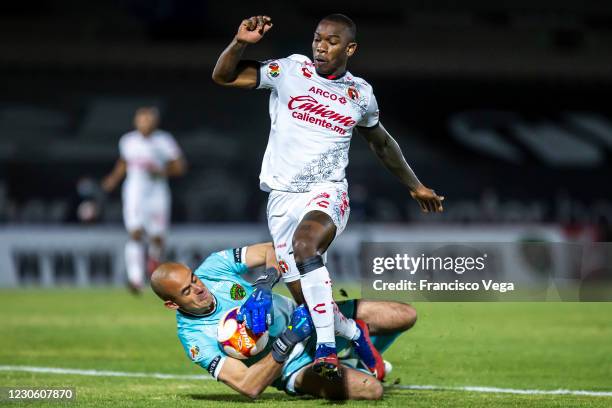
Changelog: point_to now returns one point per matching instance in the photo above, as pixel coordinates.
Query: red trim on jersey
(331, 77)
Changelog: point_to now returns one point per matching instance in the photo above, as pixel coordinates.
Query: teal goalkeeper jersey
(222, 273)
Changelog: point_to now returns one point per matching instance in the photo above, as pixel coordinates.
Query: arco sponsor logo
(327, 94)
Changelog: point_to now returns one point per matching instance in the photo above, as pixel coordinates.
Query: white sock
(155, 251)
(345, 327)
(134, 261)
(317, 290)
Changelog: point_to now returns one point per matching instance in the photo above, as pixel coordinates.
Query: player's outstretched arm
(230, 70)
(390, 154)
(257, 310)
(109, 183)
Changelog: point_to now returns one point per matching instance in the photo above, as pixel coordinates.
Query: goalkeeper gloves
(299, 329)
(257, 311)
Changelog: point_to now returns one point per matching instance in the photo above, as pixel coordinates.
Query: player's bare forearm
(390, 154)
(116, 175)
(176, 168)
(250, 381)
(271, 261)
(258, 254)
(295, 288)
(119, 170)
(230, 69)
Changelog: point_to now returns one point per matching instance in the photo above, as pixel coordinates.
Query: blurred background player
(314, 108)
(148, 156)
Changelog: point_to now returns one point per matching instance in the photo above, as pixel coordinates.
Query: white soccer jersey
(312, 121)
(143, 154)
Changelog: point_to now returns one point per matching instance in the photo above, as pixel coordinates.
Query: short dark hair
(344, 20)
(153, 110)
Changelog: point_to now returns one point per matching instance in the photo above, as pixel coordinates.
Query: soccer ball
(236, 339)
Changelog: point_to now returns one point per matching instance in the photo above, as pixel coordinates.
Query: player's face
(191, 295)
(331, 48)
(146, 122)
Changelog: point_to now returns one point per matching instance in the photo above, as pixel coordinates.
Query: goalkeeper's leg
(385, 317)
(354, 384)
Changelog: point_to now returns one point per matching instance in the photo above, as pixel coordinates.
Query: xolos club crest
(352, 92)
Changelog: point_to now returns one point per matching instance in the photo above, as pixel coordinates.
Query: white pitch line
(102, 373)
(505, 390)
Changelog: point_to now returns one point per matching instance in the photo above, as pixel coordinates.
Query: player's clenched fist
(252, 29)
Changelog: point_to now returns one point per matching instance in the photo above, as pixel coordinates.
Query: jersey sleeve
(122, 148)
(205, 354)
(224, 263)
(271, 73)
(171, 148)
(370, 119)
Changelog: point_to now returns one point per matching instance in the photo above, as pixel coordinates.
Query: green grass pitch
(543, 346)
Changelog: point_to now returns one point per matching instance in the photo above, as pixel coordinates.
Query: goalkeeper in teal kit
(202, 297)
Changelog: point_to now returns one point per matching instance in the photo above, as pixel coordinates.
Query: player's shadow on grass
(264, 398)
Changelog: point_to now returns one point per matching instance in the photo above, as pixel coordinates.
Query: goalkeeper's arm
(260, 255)
(252, 381)
(257, 310)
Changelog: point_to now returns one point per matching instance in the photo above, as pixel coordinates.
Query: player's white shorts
(286, 210)
(148, 210)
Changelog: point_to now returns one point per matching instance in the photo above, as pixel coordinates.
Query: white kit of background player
(147, 157)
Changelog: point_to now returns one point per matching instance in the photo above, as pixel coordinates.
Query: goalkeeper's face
(193, 296)
(181, 288)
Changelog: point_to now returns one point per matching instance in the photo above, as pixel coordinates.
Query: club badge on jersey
(237, 292)
(352, 92)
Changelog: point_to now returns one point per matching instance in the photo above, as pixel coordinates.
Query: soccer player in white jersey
(314, 108)
(148, 156)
